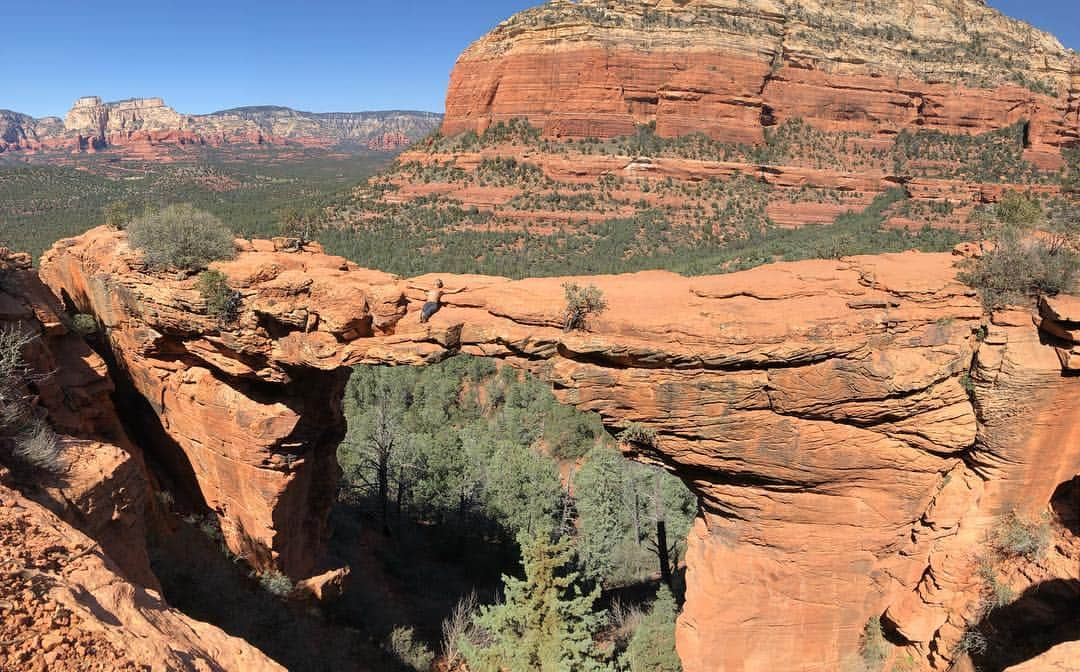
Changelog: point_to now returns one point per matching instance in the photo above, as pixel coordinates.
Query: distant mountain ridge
(92, 125)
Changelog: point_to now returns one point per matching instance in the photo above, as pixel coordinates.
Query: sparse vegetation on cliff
(276, 583)
(873, 647)
(26, 440)
(637, 433)
(1019, 265)
(37, 446)
(1070, 177)
(1018, 537)
(84, 324)
(992, 156)
(725, 229)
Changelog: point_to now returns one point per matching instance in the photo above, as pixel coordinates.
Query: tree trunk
(662, 553)
(383, 478)
(661, 531)
(402, 497)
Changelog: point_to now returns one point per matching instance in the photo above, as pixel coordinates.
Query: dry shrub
(181, 237)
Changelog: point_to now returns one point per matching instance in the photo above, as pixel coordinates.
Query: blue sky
(321, 55)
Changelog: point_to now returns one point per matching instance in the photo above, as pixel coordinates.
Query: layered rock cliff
(852, 428)
(104, 489)
(94, 125)
(730, 69)
(23, 131)
(76, 588)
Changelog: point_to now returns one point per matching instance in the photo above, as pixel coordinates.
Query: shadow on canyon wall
(1044, 615)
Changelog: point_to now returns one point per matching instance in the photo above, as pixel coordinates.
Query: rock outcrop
(104, 489)
(851, 428)
(21, 131)
(65, 606)
(686, 124)
(1062, 658)
(76, 588)
(131, 126)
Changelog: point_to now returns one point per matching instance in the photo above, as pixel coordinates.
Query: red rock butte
(729, 69)
(850, 427)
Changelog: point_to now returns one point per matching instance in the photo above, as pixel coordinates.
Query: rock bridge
(850, 427)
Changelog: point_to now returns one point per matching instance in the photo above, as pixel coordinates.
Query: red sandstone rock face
(816, 408)
(598, 69)
(104, 489)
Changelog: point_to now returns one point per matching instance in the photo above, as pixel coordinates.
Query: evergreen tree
(652, 648)
(546, 622)
(604, 522)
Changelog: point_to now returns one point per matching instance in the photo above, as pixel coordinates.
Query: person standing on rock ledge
(433, 299)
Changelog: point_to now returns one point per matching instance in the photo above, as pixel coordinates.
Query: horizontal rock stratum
(851, 427)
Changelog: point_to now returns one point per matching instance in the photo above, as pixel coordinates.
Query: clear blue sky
(320, 55)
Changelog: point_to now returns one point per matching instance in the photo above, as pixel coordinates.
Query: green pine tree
(546, 622)
(652, 648)
(602, 515)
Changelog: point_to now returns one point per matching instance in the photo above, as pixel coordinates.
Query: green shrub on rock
(411, 653)
(581, 304)
(872, 645)
(38, 447)
(1017, 537)
(1018, 210)
(222, 301)
(638, 433)
(181, 237)
(276, 583)
(84, 324)
(1017, 269)
(25, 437)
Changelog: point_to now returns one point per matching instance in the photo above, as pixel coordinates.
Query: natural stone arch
(817, 409)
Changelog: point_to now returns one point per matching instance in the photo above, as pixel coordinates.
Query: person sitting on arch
(433, 299)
